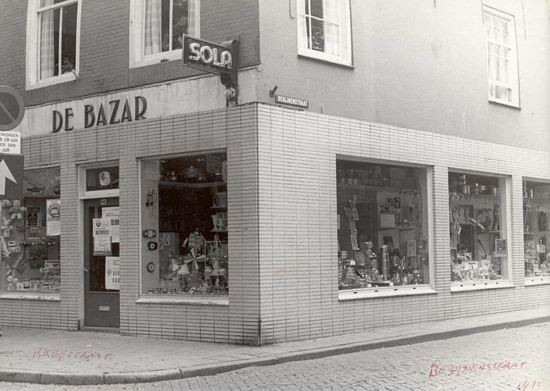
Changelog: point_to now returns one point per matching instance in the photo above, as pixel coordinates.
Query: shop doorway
(101, 263)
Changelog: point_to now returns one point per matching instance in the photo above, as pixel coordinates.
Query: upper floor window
(52, 41)
(502, 67)
(324, 30)
(157, 28)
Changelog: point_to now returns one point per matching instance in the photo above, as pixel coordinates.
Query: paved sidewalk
(62, 357)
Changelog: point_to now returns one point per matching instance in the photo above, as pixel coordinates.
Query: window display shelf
(480, 285)
(202, 185)
(398, 228)
(375, 188)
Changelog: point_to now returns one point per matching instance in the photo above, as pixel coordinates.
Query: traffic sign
(10, 143)
(11, 177)
(12, 108)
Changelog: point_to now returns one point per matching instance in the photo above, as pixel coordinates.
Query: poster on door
(112, 273)
(102, 236)
(53, 217)
(112, 213)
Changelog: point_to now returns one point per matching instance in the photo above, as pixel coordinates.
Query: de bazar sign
(110, 112)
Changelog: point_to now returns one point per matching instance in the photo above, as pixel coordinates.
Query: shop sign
(287, 100)
(11, 177)
(10, 143)
(207, 56)
(108, 113)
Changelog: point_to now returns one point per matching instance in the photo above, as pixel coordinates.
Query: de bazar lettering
(114, 112)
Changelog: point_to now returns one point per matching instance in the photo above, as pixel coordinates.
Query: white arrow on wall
(5, 174)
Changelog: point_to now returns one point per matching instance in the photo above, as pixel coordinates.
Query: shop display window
(479, 250)
(536, 228)
(382, 225)
(30, 235)
(184, 224)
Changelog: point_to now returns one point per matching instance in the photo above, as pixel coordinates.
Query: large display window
(30, 235)
(478, 229)
(184, 225)
(536, 228)
(382, 225)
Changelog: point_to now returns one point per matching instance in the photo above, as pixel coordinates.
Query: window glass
(30, 235)
(57, 39)
(324, 30)
(536, 228)
(184, 223)
(102, 178)
(382, 225)
(477, 230)
(165, 23)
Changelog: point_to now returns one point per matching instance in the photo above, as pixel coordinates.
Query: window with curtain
(52, 41)
(501, 57)
(158, 27)
(324, 30)
(57, 20)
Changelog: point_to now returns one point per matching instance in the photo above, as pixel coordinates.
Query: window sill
(221, 301)
(540, 280)
(30, 296)
(504, 103)
(64, 78)
(158, 58)
(318, 56)
(480, 285)
(391, 291)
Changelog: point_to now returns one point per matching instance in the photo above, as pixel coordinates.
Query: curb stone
(63, 378)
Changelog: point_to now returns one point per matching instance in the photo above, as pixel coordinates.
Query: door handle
(86, 270)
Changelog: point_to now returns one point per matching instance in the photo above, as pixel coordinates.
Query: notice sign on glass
(112, 213)
(102, 236)
(53, 217)
(112, 273)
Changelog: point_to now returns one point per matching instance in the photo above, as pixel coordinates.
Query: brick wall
(104, 47)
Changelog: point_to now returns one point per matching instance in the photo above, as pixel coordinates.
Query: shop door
(101, 266)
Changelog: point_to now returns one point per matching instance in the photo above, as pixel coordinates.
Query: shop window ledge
(187, 300)
(30, 296)
(391, 291)
(540, 280)
(480, 285)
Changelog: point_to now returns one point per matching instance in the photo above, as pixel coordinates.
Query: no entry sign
(12, 108)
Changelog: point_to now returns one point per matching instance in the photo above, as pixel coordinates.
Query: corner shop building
(280, 276)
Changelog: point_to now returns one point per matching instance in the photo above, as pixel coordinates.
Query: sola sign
(211, 57)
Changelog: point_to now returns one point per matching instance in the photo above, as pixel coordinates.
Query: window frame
(137, 57)
(396, 290)
(541, 279)
(33, 80)
(41, 295)
(506, 280)
(345, 37)
(513, 83)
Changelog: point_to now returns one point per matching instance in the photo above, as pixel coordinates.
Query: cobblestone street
(504, 360)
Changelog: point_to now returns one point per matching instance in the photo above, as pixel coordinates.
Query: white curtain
(153, 28)
(47, 42)
(333, 25)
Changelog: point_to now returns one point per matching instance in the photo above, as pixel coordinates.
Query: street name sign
(11, 177)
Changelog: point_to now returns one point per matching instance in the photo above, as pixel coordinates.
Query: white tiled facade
(282, 224)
